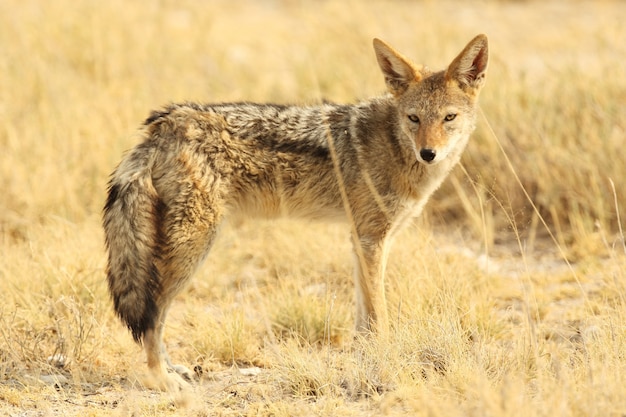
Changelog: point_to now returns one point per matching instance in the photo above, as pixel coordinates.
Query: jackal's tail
(132, 217)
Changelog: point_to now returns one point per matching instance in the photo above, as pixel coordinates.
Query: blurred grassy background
(77, 79)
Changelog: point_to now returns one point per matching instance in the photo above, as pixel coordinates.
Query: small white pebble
(57, 360)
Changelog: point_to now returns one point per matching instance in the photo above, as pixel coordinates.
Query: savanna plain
(506, 298)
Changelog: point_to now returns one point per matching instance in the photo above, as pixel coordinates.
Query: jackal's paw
(184, 372)
(163, 381)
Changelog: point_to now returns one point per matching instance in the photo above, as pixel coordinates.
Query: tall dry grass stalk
(486, 316)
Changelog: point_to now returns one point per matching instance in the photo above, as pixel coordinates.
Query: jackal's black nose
(428, 155)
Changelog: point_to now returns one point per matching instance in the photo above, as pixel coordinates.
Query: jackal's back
(273, 160)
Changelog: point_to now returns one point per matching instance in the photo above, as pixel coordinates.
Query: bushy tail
(132, 217)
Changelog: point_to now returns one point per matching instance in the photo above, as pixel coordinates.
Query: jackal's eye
(414, 118)
(449, 117)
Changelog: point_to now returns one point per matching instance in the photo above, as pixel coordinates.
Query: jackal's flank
(374, 163)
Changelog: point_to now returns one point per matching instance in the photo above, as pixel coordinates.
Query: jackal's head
(436, 111)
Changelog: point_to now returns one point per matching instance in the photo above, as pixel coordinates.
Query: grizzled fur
(374, 163)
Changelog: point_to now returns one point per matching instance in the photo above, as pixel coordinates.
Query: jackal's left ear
(470, 67)
(398, 71)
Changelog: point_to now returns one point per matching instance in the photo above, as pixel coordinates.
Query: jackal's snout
(428, 155)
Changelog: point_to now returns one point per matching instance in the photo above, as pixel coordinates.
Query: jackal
(374, 163)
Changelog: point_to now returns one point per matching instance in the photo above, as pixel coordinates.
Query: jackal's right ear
(470, 66)
(398, 71)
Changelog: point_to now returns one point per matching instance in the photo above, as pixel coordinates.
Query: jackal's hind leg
(162, 374)
(187, 233)
(158, 376)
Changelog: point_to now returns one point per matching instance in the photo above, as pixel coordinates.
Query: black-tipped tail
(131, 219)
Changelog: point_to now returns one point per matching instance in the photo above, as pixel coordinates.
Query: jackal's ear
(469, 68)
(398, 71)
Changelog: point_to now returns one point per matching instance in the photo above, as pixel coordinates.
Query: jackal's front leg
(371, 309)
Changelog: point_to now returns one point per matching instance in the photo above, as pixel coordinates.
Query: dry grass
(507, 299)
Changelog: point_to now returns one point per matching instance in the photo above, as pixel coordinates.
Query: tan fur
(374, 163)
